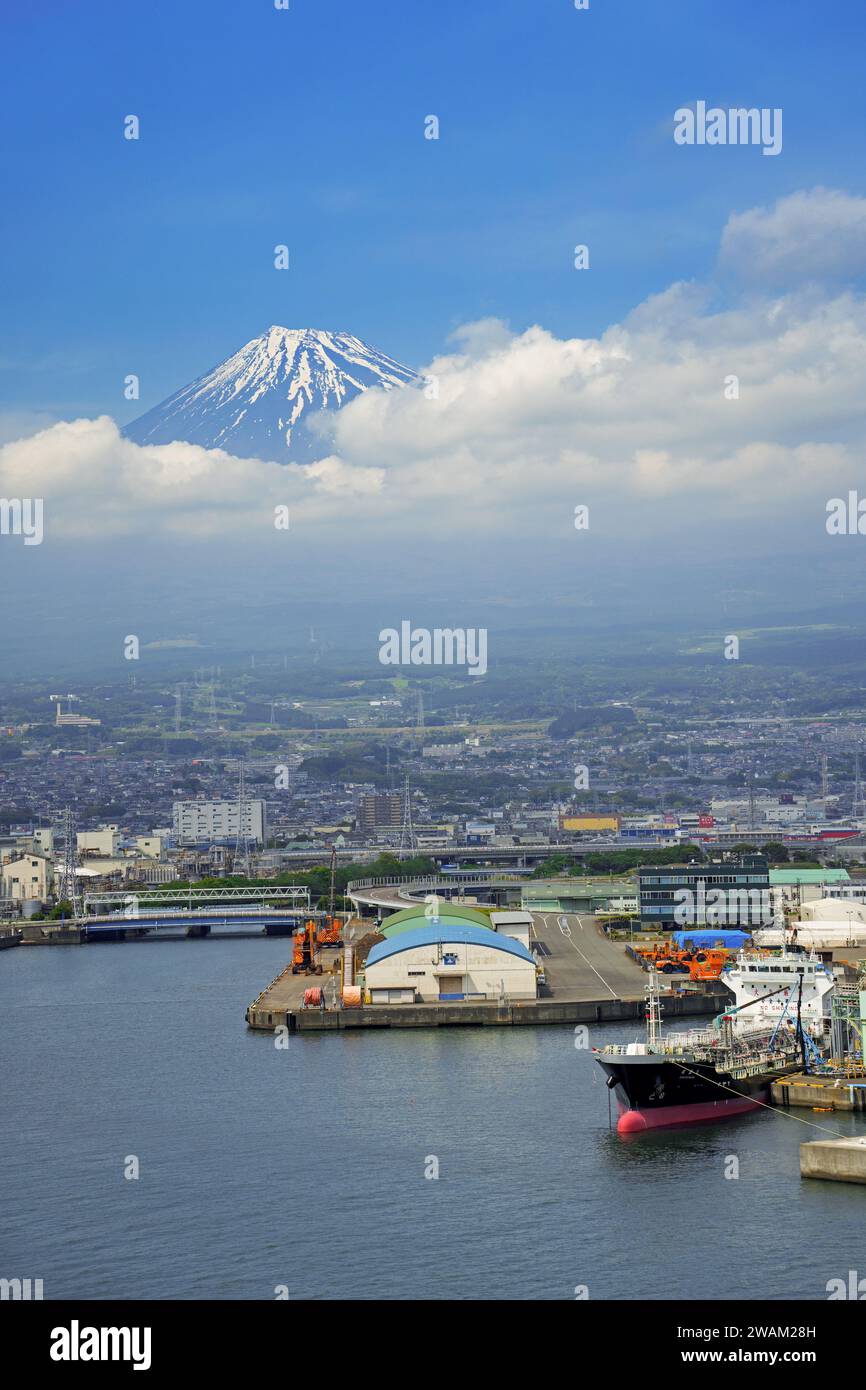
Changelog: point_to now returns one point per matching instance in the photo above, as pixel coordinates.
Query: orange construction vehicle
(305, 955)
(331, 928)
(330, 932)
(705, 963)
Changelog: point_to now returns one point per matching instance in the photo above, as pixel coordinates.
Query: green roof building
(449, 916)
(796, 878)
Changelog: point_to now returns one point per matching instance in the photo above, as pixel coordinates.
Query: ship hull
(652, 1093)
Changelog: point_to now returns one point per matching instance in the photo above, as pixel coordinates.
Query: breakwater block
(836, 1160)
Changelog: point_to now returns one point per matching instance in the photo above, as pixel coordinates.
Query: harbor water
(308, 1171)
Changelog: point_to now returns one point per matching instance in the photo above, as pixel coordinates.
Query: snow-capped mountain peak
(258, 401)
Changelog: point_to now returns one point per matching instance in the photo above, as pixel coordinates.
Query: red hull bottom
(666, 1116)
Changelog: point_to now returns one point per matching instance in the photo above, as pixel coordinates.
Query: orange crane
(305, 955)
(330, 930)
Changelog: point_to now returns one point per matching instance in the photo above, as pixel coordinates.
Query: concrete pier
(50, 934)
(820, 1092)
(269, 1011)
(836, 1160)
(590, 979)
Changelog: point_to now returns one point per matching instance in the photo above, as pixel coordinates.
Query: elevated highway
(524, 856)
(391, 895)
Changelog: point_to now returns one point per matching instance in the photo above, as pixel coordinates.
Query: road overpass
(392, 894)
(523, 855)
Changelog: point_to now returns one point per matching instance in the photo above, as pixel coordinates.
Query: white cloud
(810, 235)
(534, 424)
(96, 482)
(527, 425)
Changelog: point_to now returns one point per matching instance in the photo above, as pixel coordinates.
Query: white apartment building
(104, 841)
(28, 877)
(204, 822)
(151, 846)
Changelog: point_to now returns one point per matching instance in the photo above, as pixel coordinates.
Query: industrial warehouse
(428, 960)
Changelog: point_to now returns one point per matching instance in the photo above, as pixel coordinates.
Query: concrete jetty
(836, 1160)
(280, 1006)
(590, 979)
(821, 1092)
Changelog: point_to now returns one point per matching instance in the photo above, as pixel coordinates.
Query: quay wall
(820, 1092)
(266, 1016)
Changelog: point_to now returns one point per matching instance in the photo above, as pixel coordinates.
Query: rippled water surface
(305, 1167)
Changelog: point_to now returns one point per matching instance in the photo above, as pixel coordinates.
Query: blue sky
(306, 127)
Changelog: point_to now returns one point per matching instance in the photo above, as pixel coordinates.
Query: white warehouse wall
(482, 969)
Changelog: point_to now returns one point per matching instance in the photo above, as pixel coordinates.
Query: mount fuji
(258, 402)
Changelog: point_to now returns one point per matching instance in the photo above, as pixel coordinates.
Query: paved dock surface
(285, 994)
(581, 962)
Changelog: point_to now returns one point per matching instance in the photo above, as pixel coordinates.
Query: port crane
(330, 930)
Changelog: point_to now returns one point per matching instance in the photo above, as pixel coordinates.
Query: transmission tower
(420, 718)
(178, 707)
(407, 832)
(858, 807)
(241, 860)
(69, 888)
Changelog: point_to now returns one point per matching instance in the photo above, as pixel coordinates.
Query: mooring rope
(777, 1110)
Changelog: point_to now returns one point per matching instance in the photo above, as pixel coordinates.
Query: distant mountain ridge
(257, 403)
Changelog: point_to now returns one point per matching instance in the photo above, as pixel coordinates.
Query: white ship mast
(653, 1011)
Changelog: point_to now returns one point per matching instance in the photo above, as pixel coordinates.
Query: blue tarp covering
(711, 936)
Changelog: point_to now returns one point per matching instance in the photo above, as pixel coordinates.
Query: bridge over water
(196, 911)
